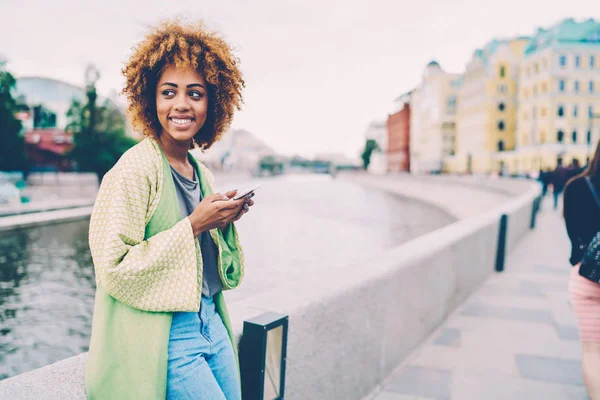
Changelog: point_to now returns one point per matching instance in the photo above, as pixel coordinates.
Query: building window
(576, 86)
(577, 61)
(561, 111)
(502, 71)
(591, 111)
(543, 137)
(561, 85)
(544, 87)
(500, 125)
(543, 112)
(535, 90)
(592, 61)
(589, 137)
(560, 136)
(562, 60)
(501, 106)
(575, 110)
(534, 113)
(536, 68)
(451, 105)
(500, 145)
(574, 136)
(591, 86)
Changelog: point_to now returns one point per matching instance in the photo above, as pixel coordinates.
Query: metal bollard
(501, 249)
(534, 211)
(263, 357)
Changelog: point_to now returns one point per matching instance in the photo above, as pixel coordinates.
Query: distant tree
(370, 147)
(99, 134)
(12, 143)
(43, 118)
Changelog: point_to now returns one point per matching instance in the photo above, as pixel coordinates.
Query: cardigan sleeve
(156, 274)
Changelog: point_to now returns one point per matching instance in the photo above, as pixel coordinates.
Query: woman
(164, 246)
(582, 217)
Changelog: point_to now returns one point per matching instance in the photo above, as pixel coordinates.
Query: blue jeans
(202, 364)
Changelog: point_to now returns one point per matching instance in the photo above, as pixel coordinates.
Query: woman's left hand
(248, 202)
(245, 208)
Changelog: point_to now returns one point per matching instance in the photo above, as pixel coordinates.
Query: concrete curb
(44, 218)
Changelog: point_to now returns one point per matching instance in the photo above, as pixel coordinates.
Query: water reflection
(46, 298)
(299, 224)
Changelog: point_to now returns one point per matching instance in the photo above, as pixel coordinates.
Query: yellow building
(432, 120)
(487, 107)
(559, 97)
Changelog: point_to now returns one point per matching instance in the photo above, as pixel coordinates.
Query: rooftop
(567, 31)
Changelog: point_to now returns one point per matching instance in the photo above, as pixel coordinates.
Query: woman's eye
(168, 92)
(196, 95)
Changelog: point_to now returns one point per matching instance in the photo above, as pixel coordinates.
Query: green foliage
(12, 150)
(370, 147)
(98, 142)
(43, 118)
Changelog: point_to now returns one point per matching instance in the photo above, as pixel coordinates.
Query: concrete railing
(349, 330)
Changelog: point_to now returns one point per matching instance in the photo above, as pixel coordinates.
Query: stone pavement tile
(562, 310)
(490, 358)
(448, 337)
(515, 337)
(496, 290)
(563, 315)
(399, 396)
(548, 282)
(567, 332)
(506, 300)
(420, 381)
(552, 269)
(429, 356)
(549, 369)
(474, 385)
(476, 309)
(576, 392)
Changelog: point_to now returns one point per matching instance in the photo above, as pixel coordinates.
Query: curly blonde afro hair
(188, 45)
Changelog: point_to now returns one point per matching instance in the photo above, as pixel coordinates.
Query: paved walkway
(515, 338)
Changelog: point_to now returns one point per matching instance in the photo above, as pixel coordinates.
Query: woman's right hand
(215, 211)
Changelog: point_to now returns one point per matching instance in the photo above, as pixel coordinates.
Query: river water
(300, 223)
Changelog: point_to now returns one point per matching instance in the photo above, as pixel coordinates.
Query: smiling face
(181, 103)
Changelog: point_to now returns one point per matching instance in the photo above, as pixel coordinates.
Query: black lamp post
(263, 357)
(91, 77)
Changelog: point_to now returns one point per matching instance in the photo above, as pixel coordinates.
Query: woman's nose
(182, 104)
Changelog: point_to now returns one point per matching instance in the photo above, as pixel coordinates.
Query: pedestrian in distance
(559, 179)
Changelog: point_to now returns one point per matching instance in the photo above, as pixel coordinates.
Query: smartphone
(245, 192)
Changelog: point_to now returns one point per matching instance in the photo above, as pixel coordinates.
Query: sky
(316, 71)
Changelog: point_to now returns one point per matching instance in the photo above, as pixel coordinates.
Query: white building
(57, 96)
(433, 119)
(238, 150)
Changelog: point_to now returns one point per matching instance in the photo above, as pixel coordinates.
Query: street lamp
(263, 357)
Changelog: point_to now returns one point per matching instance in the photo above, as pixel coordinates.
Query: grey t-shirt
(189, 196)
